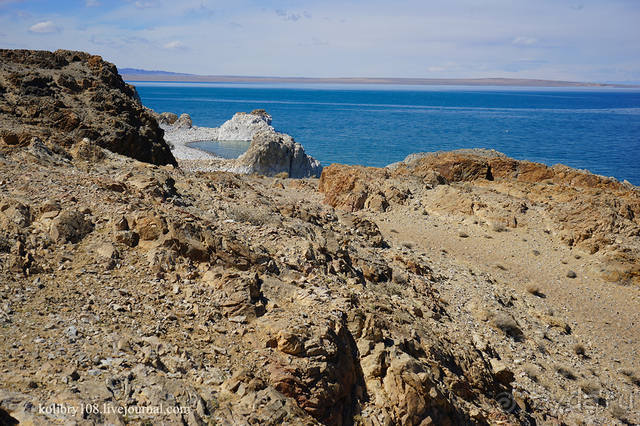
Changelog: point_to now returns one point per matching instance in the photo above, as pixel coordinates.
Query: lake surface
(594, 129)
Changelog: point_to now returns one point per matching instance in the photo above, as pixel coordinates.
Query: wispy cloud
(45, 27)
(144, 4)
(292, 16)
(174, 45)
(524, 41)
(406, 38)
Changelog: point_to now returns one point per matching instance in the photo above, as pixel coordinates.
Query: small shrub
(535, 290)
(566, 373)
(632, 377)
(579, 349)
(509, 326)
(589, 388)
(618, 412)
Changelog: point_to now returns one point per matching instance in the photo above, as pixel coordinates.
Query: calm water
(598, 130)
(224, 149)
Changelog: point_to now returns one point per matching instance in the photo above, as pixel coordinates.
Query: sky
(576, 40)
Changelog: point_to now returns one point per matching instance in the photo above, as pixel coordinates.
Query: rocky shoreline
(270, 153)
(459, 287)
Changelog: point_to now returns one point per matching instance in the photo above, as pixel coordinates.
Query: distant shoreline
(507, 82)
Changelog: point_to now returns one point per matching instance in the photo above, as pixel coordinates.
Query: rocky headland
(452, 288)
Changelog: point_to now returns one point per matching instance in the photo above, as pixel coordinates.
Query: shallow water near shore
(594, 129)
(223, 149)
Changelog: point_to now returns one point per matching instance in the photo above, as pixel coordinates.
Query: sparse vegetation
(508, 325)
(633, 378)
(566, 373)
(579, 349)
(618, 412)
(535, 290)
(590, 388)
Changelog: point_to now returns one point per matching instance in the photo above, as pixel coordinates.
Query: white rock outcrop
(271, 153)
(184, 122)
(243, 126)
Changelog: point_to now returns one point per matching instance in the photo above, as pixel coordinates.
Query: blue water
(594, 129)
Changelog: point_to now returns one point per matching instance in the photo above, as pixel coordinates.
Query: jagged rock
(501, 371)
(184, 122)
(64, 96)
(243, 126)
(271, 153)
(150, 227)
(70, 226)
(167, 118)
(87, 151)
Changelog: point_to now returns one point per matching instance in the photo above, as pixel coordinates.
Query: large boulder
(272, 153)
(243, 126)
(64, 96)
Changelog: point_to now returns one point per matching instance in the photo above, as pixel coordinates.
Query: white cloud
(524, 41)
(291, 16)
(44, 27)
(174, 45)
(145, 4)
(92, 3)
(501, 38)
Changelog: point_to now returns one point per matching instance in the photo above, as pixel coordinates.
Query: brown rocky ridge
(434, 291)
(65, 96)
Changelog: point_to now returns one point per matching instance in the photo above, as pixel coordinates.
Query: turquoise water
(224, 149)
(594, 129)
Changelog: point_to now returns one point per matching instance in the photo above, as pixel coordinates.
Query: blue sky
(585, 40)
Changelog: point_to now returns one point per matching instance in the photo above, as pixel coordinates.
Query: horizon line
(171, 77)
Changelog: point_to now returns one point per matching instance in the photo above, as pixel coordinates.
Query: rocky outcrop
(272, 153)
(244, 126)
(63, 97)
(586, 210)
(183, 122)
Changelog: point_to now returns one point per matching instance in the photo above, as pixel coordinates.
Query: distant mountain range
(135, 74)
(138, 71)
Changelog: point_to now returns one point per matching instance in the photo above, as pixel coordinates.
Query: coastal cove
(373, 125)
